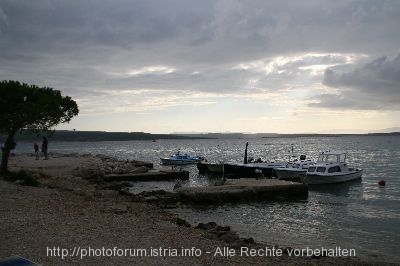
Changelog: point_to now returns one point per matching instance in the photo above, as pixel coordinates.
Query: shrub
(24, 178)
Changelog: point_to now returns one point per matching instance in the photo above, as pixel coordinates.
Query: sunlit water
(360, 215)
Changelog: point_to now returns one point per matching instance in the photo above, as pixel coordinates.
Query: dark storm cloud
(372, 85)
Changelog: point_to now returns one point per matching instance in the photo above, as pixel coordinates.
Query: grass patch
(24, 178)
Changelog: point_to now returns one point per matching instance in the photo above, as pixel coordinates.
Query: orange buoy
(382, 182)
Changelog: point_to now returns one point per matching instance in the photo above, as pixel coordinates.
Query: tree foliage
(33, 108)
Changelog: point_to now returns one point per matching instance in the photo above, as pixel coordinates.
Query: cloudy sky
(211, 66)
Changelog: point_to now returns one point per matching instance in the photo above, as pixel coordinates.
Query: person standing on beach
(36, 148)
(12, 148)
(44, 148)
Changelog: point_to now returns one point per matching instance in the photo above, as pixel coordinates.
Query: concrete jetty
(246, 189)
(151, 175)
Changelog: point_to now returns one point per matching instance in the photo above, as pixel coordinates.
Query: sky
(163, 66)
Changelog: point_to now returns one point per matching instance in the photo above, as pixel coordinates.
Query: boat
(178, 159)
(294, 170)
(330, 168)
(251, 170)
(205, 167)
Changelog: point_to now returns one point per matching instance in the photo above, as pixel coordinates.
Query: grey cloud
(3, 18)
(311, 60)
(208, 80)
(126, 24)
(371, 85)
(203, 31)
(381, 74)
(76, 45)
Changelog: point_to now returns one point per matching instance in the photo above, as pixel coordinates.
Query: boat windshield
(311, 169)
(332, 158)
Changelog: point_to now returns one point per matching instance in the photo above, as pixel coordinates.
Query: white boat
(294, 170)
(330, 168)
(178, 159)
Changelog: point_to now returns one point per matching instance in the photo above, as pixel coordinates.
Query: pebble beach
(67, 211)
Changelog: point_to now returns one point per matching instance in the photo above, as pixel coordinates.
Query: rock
(219, 182)
(125, 191)
(206, 226)
(182, 222)
(19, 182)
(140, 169)
(229, 237)
(236, 244)
(142, 163)
(120, 211)
(224, 233)
(169, 197)
(249, 240)
(223, 228)
(118, 185)
(150, 199)
(90, 173)
(211, 236)
(177, 185)
(152, 193)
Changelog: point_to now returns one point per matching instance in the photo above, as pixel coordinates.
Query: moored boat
(330, 168)
(295, 170)
(251, 170)
(205, 167)
(178, 159)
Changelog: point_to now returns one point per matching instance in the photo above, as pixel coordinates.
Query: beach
(49, 224)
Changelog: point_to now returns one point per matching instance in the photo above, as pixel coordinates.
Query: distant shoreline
(331, 135)
(65, 135)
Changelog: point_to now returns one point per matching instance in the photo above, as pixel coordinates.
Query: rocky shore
(74, 209)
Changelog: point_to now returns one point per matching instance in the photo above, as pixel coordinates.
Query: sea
(359, 215)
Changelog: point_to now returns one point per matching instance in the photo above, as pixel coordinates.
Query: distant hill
(276, 135)
(387, 130)
(66, 135)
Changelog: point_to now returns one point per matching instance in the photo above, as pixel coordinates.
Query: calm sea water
(360, 215)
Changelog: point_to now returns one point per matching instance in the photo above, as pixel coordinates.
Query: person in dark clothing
(44, 148)
(12, 148)
(36, 148)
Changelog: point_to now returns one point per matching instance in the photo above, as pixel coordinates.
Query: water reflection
(341, 189)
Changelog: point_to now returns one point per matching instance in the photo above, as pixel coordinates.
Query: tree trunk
(5, 153)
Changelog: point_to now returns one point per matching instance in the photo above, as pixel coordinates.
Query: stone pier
(246, 189)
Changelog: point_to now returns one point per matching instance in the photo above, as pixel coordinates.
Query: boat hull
(167, 161)
(251, 170)
(215, 168)
(210, 168)
(319, 179)
(294, 174)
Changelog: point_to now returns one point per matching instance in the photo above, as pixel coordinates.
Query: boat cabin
(330, 163)
(332, 157)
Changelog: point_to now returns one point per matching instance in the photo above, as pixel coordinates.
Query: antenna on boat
(245, 154)
(291, 154)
